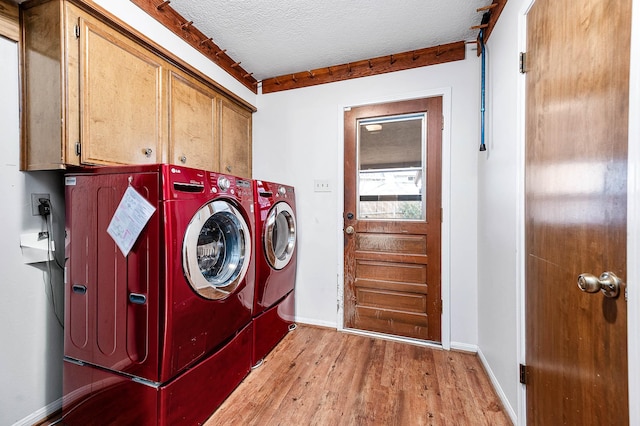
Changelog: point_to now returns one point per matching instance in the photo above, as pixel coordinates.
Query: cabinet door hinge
(78, 149)
(76, 30)
(442, 122)
(523, 62)
(523, 374)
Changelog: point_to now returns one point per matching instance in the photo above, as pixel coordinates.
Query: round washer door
(216, 250)
(279, 235)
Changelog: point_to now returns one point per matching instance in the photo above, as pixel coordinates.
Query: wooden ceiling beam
(367, 67)
(170, 18)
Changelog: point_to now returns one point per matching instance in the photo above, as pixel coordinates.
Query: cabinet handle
(147, 152)
(183, 159)
(228, 168)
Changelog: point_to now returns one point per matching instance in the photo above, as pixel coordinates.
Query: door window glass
(391, 168)
(216, 250)
(220, 249)
(280, 235)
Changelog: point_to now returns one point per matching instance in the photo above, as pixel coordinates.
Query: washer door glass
(279, 235)
(216, 250)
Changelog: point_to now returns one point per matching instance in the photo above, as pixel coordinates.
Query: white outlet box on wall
(321, 185)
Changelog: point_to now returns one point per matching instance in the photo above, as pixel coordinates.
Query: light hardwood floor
(318, 376)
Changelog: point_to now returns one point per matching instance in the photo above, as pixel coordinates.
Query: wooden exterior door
(577, 83)
(392, 218)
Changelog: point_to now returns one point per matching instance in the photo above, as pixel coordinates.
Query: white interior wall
(31, 355)
(498, 202)
(298, 139)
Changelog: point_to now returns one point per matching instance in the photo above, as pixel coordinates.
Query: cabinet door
(235, 139)
(192, 123)
(120, 98)
(44, 139)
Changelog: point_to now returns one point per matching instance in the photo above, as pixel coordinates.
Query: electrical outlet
(35, 202)
(321, 185)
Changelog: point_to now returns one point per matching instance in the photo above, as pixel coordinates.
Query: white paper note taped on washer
(129, 219)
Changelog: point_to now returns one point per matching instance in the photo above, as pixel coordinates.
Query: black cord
(50, 232)
(51, 295)
(50, 254)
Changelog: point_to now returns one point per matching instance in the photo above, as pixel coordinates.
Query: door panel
(192, 123)
(575, 215)
(121, 105)
(235, 139)
(392, 257)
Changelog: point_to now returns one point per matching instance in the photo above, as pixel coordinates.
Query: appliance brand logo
(174, 170)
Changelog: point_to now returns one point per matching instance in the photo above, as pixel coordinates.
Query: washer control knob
(223, 183)
(282, 190)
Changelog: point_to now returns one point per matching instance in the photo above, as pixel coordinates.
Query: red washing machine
(164, 334)
(274, 308)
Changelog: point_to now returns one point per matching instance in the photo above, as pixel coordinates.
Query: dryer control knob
(223, 183)
(282, 190)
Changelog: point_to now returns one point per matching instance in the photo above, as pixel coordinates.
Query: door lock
(608, 284)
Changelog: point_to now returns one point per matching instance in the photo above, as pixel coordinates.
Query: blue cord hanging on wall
(485, 20)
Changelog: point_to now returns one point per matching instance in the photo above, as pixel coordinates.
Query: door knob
(608, 283)
(349, 230)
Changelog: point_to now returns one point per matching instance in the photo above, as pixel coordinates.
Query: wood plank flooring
(319, 376)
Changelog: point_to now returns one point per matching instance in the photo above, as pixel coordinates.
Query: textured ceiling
(276, 37)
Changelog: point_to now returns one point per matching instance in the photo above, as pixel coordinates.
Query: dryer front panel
(216, 250)
(276, 250)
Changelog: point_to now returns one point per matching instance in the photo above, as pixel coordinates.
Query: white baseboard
(494, 381)
(311, 321)
(41, 414)
(465, 347)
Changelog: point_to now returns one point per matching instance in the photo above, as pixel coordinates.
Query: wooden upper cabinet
(121, 98)
(235, 139)
(97, 95)
(45, 125)
(193, 140)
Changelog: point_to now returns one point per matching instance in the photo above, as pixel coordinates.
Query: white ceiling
(275, 37)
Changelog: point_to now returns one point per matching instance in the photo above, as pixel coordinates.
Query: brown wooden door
(392, 218)
(577, 87)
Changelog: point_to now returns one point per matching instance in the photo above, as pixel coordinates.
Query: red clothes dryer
(172, 312)
(276, 262)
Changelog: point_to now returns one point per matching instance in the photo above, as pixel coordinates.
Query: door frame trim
(633, 220)
(520, 209)
(445, 93)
